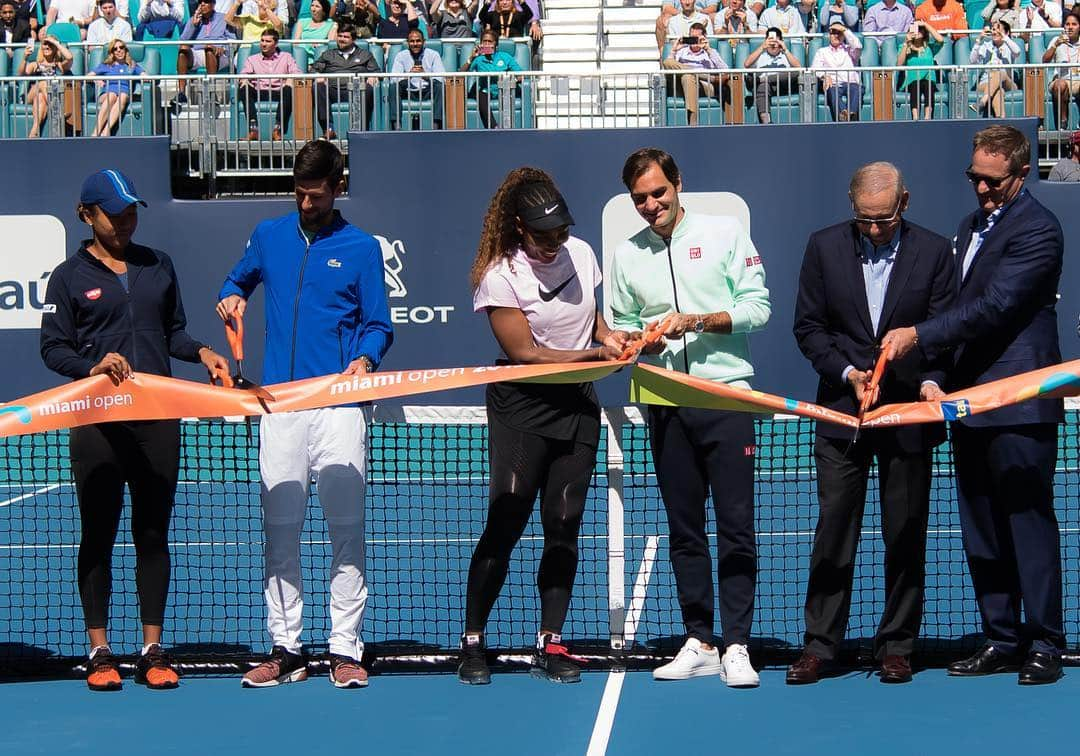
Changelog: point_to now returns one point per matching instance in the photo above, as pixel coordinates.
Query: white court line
(32, 494)
(609, 702)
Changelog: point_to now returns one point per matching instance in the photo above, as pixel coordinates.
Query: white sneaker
(691, 661)
(736, 669)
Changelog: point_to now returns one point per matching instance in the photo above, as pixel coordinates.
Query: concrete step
(621, 16)
(644, 55)
(556, 42)
(576, 57)
(574, 15)
(637, 39)
(551, 5)
(595, 122)
(627, 66)
(571, 28)
(571, 67)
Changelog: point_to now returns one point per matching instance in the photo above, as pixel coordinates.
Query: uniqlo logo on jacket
(92, 294)
(695, 253)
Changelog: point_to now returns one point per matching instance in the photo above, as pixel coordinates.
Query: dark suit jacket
(20, 31)
(1004, 319)
(834, 330)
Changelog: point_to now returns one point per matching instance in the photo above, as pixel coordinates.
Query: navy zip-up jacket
(88, 314)
(325, 302)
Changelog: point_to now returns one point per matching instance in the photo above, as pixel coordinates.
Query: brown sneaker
(346, 672)
(805, 671)
(282, 667)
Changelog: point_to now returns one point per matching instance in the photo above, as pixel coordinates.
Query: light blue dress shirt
(877, 265)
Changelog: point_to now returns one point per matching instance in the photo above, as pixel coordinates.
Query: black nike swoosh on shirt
(547, 296)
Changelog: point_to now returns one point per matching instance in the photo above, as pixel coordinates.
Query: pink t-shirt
(558, 297)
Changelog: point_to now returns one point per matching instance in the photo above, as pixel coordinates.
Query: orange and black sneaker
(155, 670)
(102, 672)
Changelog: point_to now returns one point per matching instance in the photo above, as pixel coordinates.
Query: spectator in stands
(1066, 84)
(1068, 168)
(114, 95)
(671, 7)
(1042, 15)
(270, 61)
(78, 12)
(455, 22)
(250, 18)
(917, 53)
(159, 19)
(417, 60)
(680, 24)
(361, 15)
(736, 18)
(108, 26)
(401, 18)
(27, 11)
(346, 58)
(808, 13)
(205, 25)
(784, 16)
(834, 66)
(887, 16)
(14, 30)
(697, 56)
(838, 11)
(771, 54)
(53, 59)
(318, 28)
(943, 15)
(508, 20)
(487, 59)
(995, 46)
(1002, 10)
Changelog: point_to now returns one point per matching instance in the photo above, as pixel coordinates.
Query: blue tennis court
(426, 507)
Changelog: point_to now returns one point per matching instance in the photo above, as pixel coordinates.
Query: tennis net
(426, 508)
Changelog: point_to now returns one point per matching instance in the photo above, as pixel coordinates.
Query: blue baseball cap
(110, 190)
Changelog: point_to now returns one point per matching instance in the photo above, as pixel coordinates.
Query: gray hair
(877, 177)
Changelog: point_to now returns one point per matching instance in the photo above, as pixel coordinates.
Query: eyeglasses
(880, 221)
(836, 32)
(119, 47)
(990, 181)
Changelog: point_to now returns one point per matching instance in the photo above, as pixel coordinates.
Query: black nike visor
(545, 215)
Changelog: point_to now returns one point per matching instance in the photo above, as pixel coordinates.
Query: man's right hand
(115, 366)
(859, 380)
(234, 303)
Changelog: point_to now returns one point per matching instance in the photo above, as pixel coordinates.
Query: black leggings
(145, 455)
(522, 465)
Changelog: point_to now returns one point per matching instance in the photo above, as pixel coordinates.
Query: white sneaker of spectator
(693, 660)
(736, 669)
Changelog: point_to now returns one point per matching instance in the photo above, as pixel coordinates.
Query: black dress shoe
(986, 661)
(1040, 669)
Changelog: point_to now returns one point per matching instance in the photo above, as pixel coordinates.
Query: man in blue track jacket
(326, 312)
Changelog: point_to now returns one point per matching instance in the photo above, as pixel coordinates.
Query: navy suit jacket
(1004, 319)
(833, 326)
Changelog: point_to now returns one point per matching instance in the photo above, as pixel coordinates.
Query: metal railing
(216, 134)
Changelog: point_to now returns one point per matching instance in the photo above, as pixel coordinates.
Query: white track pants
(329, 445)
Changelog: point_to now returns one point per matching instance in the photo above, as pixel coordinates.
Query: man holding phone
(693, 53)
(772, 53)
(417, 60)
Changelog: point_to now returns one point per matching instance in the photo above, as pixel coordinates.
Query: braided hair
(523, 187)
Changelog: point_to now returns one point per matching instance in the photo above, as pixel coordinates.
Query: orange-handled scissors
(652, 333)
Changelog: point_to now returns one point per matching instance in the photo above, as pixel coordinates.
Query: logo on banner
(21, 412)
(955, 410)
(33, 246)
(393, 255)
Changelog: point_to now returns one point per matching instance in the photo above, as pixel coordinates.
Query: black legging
(145, 455)
(522, 465)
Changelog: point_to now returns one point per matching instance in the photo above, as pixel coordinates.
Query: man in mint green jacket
(706, 270)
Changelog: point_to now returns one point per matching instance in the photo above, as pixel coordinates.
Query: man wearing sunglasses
(1004, 322)
(860, 278)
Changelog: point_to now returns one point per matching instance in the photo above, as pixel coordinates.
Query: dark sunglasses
(990, 181)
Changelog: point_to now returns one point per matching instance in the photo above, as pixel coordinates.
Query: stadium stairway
(583, 37)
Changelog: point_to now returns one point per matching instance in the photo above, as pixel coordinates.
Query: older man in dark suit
(860, 278)
(1008, 263)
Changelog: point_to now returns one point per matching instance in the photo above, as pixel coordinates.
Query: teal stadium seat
(1014, 100)
(266, 112)
(339, 111)
(19, 112)
(785, 108)
(139, 119)
(166, 53)
(901, 99)
(868, 57)
(1037, 46)
(67, 33)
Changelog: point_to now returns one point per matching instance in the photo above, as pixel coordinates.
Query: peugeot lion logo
(393, 255)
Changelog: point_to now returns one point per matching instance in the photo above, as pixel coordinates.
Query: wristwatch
(699, 326)
(368, 364)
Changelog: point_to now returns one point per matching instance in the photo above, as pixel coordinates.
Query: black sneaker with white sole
(553, 661)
